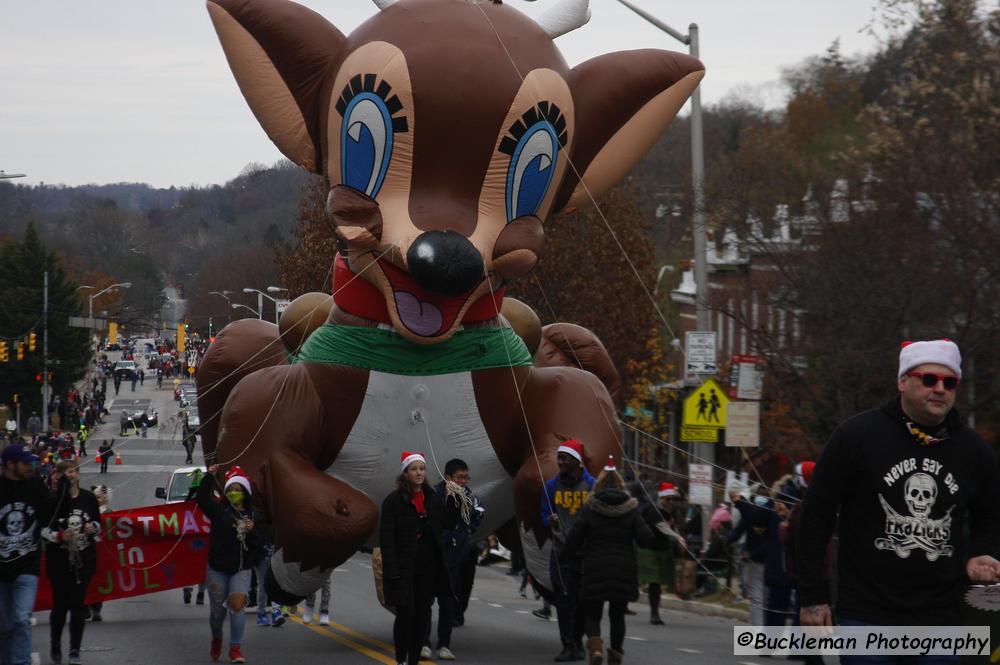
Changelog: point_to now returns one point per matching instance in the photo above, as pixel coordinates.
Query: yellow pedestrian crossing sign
(706, 406)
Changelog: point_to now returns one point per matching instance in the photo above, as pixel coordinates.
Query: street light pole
(45, 354)
(260, 302)
(124, 285)
(224, 294)
(237, 305)
(276, 290)
(697, 168)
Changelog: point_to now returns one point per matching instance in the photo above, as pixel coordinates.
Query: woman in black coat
(609, 527)
(413, 566)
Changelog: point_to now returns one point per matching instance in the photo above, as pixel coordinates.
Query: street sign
(700, 484)
(706, 406)
(749, 374)
(743, 427)
(282, 304)
(699, 352)
(700, 434)
(86, 322)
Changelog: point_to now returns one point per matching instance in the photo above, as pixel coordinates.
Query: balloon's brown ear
(623, 101)
(281, 54)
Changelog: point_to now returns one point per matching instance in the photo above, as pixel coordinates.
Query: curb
(705, 609)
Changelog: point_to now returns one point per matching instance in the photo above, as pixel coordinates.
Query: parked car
(178, 484)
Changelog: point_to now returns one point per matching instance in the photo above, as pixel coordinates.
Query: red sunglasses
(930, 379)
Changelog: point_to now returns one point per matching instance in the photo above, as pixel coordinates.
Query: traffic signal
(20, 350)
(38, 377)
(32, 341)
(4, 352)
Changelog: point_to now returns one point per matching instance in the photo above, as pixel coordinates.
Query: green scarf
(387, 351)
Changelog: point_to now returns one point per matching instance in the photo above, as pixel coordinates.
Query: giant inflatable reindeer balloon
(449, 131)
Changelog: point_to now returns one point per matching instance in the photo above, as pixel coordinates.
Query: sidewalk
(709, 609)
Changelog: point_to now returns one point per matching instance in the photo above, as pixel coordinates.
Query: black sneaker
(201, 598)
(656, 620)
(74, 658)
(187, 596)
(55, 655)
(566, 655)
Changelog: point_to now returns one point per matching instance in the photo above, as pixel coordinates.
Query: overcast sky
(109, 91)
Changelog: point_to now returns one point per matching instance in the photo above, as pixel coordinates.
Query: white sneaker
(444, 653)
(307, 617)
(324, 619)
(425, 653)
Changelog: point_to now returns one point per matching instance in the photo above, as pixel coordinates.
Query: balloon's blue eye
(533, 146)
(366, 138)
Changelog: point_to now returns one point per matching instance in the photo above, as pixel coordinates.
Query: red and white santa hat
(406, 459)
(803, 473)
(610, 466)
(572, 447)
(937, 351)
(236, 476)
(666, 489)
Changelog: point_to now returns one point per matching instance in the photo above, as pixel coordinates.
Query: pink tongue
(421, 317)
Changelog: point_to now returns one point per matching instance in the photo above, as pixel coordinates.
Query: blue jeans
(220, 587)
(17, 599)
(892, 660)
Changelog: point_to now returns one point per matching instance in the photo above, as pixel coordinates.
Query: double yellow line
(353, 639)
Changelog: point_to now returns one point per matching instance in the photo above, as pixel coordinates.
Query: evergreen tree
(22, 277)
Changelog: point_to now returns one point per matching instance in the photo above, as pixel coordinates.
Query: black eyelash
(366, 83)
(544, 110)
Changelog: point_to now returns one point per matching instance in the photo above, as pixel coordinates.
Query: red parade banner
(144, 550)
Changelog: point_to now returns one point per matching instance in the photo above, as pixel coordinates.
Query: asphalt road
(500, 629)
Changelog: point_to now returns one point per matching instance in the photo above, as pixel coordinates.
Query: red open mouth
(423, 313)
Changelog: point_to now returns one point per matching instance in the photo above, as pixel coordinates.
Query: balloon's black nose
(445, 262)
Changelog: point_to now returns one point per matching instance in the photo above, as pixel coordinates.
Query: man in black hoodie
(25, 505)
(907, 480)
(755, 517)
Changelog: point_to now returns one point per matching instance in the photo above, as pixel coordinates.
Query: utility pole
(45, 354)
(698, 182)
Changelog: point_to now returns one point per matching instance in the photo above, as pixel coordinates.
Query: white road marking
(688, 650)
(637, 639)
(35, 658)
(747, 662)
(495, 605)
(522, 611)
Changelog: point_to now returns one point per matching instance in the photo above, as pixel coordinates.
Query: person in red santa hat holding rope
(413, 564)
(235, 547)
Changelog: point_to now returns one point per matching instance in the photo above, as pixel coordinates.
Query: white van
(179, 484)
